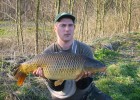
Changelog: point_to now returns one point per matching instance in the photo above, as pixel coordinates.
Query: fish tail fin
(19, 75)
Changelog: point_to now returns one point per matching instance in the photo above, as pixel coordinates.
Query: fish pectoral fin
(58, 82)
(79, 76)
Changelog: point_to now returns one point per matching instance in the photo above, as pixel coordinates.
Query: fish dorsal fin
(58, 82)
(21, 78)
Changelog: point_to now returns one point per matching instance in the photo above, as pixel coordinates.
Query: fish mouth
(103, 69)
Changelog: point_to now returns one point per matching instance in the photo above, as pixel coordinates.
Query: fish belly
(63, 73)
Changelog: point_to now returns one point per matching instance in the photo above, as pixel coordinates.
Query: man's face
(64, 29)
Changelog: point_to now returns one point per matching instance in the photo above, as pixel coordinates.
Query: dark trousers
(91, 93)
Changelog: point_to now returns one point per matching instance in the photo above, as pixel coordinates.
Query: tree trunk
(97, 16)
(58, 4)
(20, 28)
(83, 21)
(122, 17)
(100, 16)
(71, 5)
(116, 7)
(103, 17)
(129, 15)
(17, 21)
(36, 34)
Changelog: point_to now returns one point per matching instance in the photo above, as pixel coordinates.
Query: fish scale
(66, 68)
(59, 66)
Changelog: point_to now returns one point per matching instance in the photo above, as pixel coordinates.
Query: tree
(82, 23)
(129, 13)
(97, 15)
(17, 21)
(71, 5)
(20, 27)
(58, 4)
(36, 34)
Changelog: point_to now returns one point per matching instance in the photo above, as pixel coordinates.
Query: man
(80, 88)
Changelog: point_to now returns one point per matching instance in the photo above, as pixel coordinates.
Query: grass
(7, 29)
(9, 38)
(4, 32)
(121, 82)
(33, 89)
(122, 79)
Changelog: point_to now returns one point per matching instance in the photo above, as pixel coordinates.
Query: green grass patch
(6, 32)
(3, 32)
(106, 55)
(122, 79)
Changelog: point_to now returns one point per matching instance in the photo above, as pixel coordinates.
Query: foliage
(121, 81)
(102, 54)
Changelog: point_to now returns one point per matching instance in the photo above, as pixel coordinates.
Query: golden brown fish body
(59, 66)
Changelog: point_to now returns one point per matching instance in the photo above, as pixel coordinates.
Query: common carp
(58, 66)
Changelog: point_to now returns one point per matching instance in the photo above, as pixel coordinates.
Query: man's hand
(39, 72)
(83, 75)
